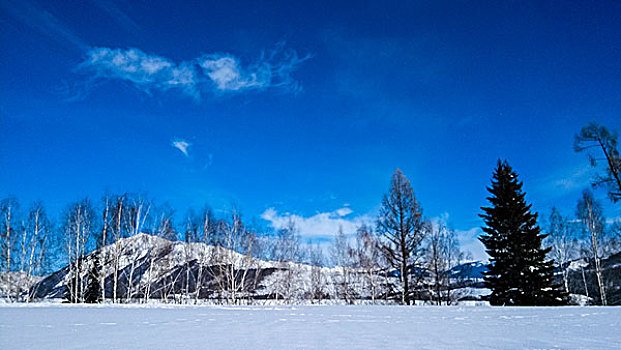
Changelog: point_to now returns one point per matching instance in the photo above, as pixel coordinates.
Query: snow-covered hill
(151, 267)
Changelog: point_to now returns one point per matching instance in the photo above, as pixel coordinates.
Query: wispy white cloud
(118, 15)
(215, 73)
(43, 22)
(147, 72)
(578, 179)
(225, 73)
(181, 145)
(325, 224)
(565, 181)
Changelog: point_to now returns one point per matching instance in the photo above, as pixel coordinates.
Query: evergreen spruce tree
(518, 273)
(92, 295)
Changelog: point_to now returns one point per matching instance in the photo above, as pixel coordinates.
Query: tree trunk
(598, 271)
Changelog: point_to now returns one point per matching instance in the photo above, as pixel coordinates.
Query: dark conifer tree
(92, 295)
(518, 273)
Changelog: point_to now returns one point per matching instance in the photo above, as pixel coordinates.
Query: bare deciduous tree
(102, 242)
(38, 227)
(343, 260)
(233, 260)
(163, 228)
(8, 209)
(138, 208)
(442, 254)
(317, 278)
(401, 228)
(118, 231)
(287, 252)
(561, 241)
(77, 228)
(368, 255)
(596, 136)
(590, 213)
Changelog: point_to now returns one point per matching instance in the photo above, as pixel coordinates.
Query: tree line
(33, 246)
(403, 256)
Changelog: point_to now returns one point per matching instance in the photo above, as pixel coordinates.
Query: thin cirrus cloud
(118, 15)
(44, 22)
(215, 73)
(181, 145)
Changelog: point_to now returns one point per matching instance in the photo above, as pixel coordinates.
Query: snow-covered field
(307, 327)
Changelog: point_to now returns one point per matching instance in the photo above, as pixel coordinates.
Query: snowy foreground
(50, 326)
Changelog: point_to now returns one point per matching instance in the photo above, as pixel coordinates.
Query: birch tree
(8, 224)
(77, 228)
(207, 228)
(442, 254)
(342, 258)
(287, 251)
(317, 278)
(234, 259)
(38, 227)
(368, 255)
(590, 213)
(138, 208)
(561, 241)
(164, 228)
(118, 231)
(102, 241)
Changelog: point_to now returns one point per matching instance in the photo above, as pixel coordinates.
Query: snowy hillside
(150, 267)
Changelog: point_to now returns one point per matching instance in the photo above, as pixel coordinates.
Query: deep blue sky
(304, 108)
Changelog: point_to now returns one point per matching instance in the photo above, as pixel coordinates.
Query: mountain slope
(150, 267)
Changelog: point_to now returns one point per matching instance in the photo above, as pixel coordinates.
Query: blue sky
(304, 109)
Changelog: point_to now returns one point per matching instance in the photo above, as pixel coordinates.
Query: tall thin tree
(590, 213)
(401, 228)
(8, 224)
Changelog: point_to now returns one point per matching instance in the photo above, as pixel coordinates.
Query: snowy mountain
(150, 267)
(469, 271)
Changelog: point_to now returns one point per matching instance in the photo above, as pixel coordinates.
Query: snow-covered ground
(67, 327)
